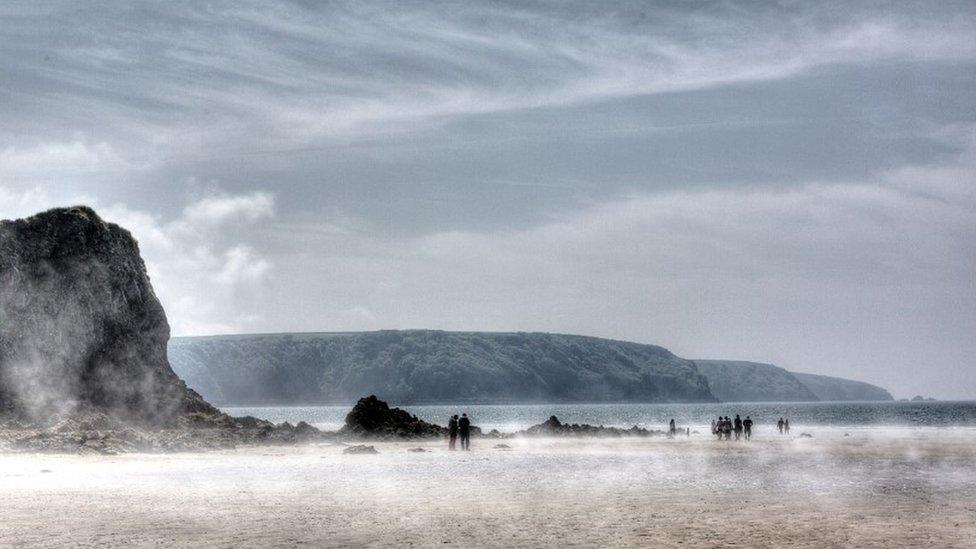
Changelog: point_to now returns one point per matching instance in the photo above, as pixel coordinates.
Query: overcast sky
(786, 182)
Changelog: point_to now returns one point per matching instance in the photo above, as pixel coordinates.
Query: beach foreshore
(908, 488)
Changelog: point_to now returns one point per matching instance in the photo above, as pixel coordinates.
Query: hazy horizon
(787, 183)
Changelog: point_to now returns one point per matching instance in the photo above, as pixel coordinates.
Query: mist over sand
(892, 487)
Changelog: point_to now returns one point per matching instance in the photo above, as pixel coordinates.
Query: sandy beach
(901, 487)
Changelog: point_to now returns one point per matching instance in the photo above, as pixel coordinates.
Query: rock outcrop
(360, 449)
(94, 432)
(81, 330)
(552, 427)
(373, 418)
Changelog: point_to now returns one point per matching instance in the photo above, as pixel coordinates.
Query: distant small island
(432, 366)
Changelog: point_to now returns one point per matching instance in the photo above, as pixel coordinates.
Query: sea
(802, 415)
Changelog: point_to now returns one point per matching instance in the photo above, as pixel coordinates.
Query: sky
(784, 182)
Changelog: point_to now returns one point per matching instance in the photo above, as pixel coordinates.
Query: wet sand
(890, 489)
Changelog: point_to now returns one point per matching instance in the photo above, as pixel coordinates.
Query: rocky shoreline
(371, 419)
(98, 433)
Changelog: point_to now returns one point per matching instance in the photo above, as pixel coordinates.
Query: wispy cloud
(185, 74)
(217, 209)
(25, 201)
(45, 161)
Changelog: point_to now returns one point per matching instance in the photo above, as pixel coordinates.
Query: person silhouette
(738, 427)
(786, 426)
(452, 432)
(747, 427)
(779, 425)
(672, 430)
(464, 427)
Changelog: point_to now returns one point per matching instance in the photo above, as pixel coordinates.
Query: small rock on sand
(360, 449)
(418, 450)
(806, 435)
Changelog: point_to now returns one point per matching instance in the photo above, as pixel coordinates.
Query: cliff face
(738, 381)
(80, 326)
(431, 366)
(834, 388)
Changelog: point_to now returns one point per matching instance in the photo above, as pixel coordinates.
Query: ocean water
(511, 418)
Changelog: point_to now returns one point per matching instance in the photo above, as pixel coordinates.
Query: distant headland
(432, 366)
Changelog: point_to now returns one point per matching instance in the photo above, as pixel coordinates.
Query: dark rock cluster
(373, 418)
(553, 427)
(359, 449)
(94, 432)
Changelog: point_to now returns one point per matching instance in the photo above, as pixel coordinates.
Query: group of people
(459, 427)
(725, 428)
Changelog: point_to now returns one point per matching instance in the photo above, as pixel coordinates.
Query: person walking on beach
(464, 427)
(672, 430)
(786, 426)
(727, 428)
(738, 427)
(779, 425)
(747, 427)
(452, 432)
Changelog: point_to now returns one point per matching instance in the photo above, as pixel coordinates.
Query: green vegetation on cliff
(432, 366)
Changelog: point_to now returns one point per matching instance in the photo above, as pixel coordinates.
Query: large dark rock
(80, 327)
(373, 418)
